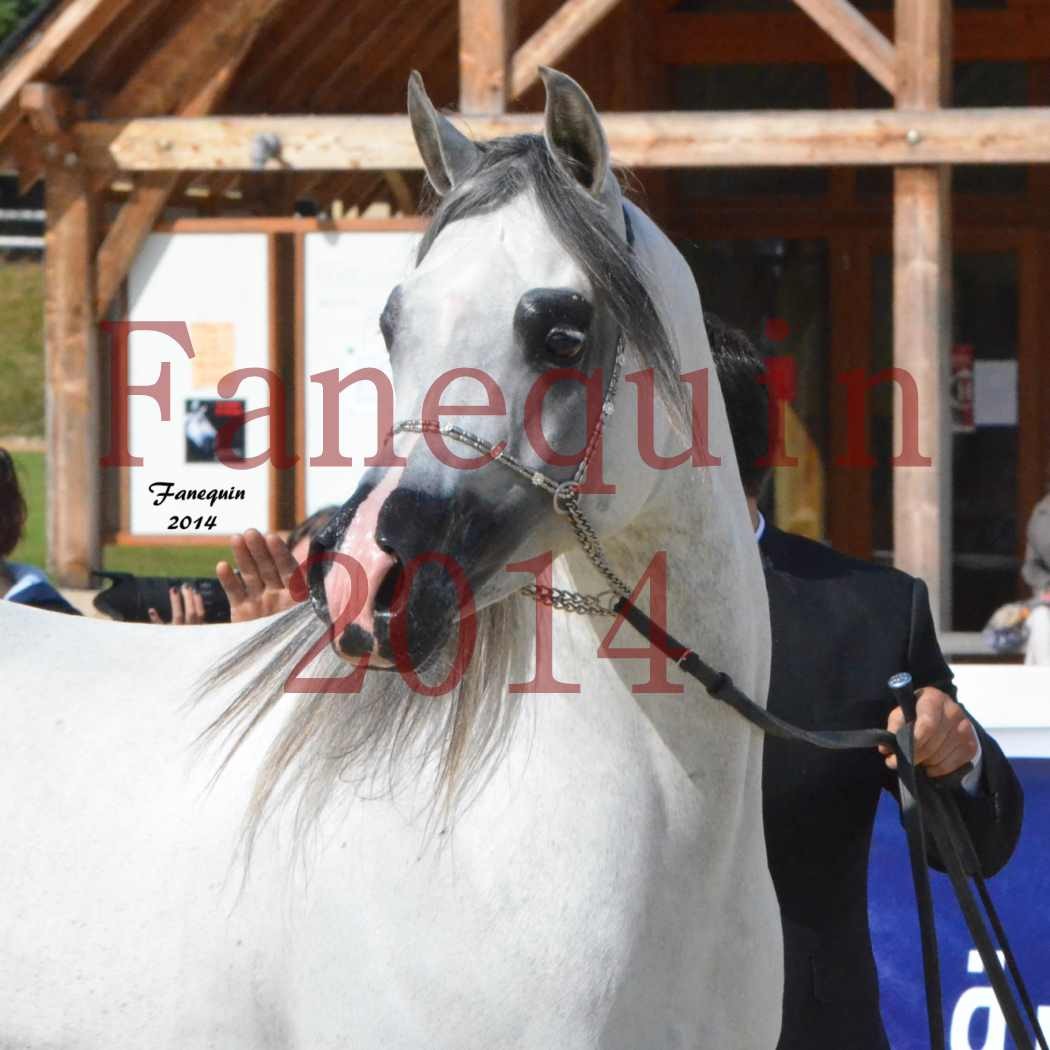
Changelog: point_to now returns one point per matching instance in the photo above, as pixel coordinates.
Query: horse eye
(564, 343)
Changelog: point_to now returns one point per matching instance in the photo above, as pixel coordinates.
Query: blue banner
(1022, 895)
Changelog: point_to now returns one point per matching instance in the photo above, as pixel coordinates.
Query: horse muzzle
(386, 578)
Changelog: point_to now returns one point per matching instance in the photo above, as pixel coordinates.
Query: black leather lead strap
(915, 834)
(920, 799)
(952, 838)
(721, 687)
(1011, 959)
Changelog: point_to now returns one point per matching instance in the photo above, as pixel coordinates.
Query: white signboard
(216, 284)
(348, 278)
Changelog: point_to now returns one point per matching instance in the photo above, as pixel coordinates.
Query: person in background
(24, 584)
(1036, 573)
(258, 587)
(840, 628)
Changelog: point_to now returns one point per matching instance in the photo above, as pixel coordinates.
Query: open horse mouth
(385, 576)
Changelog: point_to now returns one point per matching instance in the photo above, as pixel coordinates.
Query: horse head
(512, 327)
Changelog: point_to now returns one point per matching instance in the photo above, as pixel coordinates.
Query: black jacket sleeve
(993, 815)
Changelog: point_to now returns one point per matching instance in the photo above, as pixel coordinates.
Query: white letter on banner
(972, 1000)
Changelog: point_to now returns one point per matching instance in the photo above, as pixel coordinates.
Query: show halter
(925, 802)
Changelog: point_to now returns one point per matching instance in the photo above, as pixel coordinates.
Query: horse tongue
(360, 545)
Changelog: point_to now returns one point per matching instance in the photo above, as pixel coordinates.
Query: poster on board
(348, 276)
(196, 477)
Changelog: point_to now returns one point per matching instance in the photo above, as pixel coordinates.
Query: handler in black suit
(841, 628)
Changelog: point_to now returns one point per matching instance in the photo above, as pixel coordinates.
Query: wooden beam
(72, 377)
(62, 41)
(808, 138)
(922, 315)
(23, 152)
(486, 35)
(790, 38)
(50, 111)
(111, 49)
(555, 39)
(127, 232)
(924, 53)
(852, 31)
(213, 30)
(265, 71)
(428, 41)
(343, 77)
(137, 217)
(294, 86)
(400, 192)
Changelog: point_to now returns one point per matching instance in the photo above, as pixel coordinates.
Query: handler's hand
(266, 567)
(944, 737)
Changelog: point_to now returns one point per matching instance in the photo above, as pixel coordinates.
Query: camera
(131, 597)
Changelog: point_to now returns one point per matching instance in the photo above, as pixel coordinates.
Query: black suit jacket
(841, 627)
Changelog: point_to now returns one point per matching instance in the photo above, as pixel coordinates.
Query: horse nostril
(356, 641)
(390, 588)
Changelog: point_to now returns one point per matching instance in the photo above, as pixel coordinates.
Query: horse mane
(386, 730)
(330, 737)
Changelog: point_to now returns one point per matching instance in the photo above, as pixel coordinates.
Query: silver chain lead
(566, 499)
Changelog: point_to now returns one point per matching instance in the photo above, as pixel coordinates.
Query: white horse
(594, 871)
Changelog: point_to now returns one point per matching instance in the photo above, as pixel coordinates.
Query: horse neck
(715, 603)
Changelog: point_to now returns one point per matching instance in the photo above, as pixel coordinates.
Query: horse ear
(573, 131)
(448, 156)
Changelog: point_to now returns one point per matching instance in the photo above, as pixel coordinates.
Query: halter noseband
(564, 494)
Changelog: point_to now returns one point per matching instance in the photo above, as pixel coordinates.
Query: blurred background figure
(256, 584)
(25, 584)
(1036, 573)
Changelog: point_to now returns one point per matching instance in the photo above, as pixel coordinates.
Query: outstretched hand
(945, 739)
(266, 567)
(187, 606)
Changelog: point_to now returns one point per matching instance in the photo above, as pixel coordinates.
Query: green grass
(144, 561)
(21, 349)
(164, 561)
(31, 477)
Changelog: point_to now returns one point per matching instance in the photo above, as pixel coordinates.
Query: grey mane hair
(521, 163)
(381, 736)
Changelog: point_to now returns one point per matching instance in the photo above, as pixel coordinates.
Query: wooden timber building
(859, 185)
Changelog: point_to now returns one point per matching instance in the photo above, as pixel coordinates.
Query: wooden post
(486, 40)
(555, 39)
(922, 317)
(852, 31)
(70, 343)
